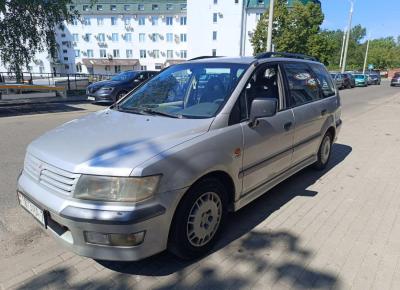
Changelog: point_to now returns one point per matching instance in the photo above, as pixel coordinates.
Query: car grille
(50, 176)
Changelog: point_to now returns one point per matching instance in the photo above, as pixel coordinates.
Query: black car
(348, 80)
(118, 86)
(395, 80)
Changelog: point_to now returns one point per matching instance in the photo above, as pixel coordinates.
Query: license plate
(31, 208)
(91, 98)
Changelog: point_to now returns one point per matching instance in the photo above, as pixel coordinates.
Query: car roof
(247, 60)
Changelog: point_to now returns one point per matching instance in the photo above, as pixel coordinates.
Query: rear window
(359, 77)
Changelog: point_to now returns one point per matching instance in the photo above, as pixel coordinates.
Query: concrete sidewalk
(337, 229)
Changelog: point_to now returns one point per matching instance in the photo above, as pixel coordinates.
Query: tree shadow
(39, 108)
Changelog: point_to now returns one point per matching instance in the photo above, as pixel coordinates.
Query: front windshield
(190, 90)
(125, 76)
(359, 77)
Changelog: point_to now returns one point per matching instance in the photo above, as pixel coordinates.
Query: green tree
(27, 27)
(295, 29)
(384, 53)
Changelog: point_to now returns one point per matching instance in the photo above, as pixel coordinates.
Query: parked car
(338, 80)
(361, 80)
(395, 80)
(374, 79)
(161, 168)
(118, 86)
(348, 80)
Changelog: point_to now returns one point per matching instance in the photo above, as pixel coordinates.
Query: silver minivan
(162, 168)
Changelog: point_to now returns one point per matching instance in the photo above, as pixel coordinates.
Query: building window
(86, 20)
(72, 8)
(214, 52)
(113, 7)
(183, 20)
(154, 20)
(141, 7)
(103, 53)
(66, 58)
(156, 53)
(66, 66)
(169, 6)
(127, 21)
(117, 68)
(154, 37)
(142, 53)
(114, 37)
(236, 1)
(170, 37)
(78, 67)
(183, 37)
(75, 21)
(128, 37)
(75, 37)
(215, 17)
(107, 68)
(183, 6)
(214, 36)
(88, 37)
(142, 20)
(170, 54)
(158, 66)
(143, 67)
(215, 1)
(129, 53)
(113, 20)
(99, 7)
(85, 7)
(127, 7)
(62, 34)
(142, 37)
(65, 51)
(100, 20)
(101, 37)
(89, 53)
(154, 7)
(116, 53)
(183, 54)
(77, 53)
(169, 20)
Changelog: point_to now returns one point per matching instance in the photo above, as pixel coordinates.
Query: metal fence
(71, 82)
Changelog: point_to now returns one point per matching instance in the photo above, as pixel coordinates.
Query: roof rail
(203, 57)
(285, 54)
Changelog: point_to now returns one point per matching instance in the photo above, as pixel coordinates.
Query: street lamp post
(343, 43)
(270, 25)
(366, 57)
(348, 36)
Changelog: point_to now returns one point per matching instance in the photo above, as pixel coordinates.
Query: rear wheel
(198, 219)
(324, 152)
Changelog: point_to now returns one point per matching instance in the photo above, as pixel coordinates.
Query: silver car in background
(162, 168)
(338, 80)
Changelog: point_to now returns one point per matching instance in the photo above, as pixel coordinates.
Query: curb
(12, 103)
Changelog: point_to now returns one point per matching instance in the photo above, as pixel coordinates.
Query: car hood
(106, 83)
(109, 142)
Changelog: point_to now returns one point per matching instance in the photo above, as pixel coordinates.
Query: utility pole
(270, 25)
(366, 58)
(343, 43)
(348, 36)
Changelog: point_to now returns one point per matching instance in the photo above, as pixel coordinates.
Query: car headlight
(107, 89)
(108, 188)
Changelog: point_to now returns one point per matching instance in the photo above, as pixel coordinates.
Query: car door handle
(323, 112)
(287, 126)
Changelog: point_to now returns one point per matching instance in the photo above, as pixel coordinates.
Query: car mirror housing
(262, 108)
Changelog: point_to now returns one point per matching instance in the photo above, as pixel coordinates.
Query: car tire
(120, 95)
(198, 220)
(324, 152)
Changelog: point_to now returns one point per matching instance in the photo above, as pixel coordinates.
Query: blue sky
(380, 17)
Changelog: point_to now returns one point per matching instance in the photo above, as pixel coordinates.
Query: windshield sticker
(302, 76)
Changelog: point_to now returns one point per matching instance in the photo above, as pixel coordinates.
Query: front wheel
(324, 152)
(198, 219)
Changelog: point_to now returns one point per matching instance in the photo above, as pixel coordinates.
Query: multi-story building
(117, 35)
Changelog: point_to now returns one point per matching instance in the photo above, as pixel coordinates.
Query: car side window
(303, 85)
(142, 76)
(325, 83)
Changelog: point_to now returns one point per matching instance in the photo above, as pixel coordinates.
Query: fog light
(122, 240)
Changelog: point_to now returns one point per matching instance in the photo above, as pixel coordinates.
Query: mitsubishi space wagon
(161, 168)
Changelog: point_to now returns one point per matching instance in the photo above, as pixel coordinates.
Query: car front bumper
(101, 96)
(69, 220)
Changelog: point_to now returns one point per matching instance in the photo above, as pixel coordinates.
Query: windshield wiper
(129, 110)
(154, 112)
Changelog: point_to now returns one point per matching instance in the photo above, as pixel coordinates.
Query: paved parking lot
(337, 229)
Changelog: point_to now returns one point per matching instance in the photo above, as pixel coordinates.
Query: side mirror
(262, 108)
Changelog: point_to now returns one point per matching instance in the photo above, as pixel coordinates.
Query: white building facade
(117, 35)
